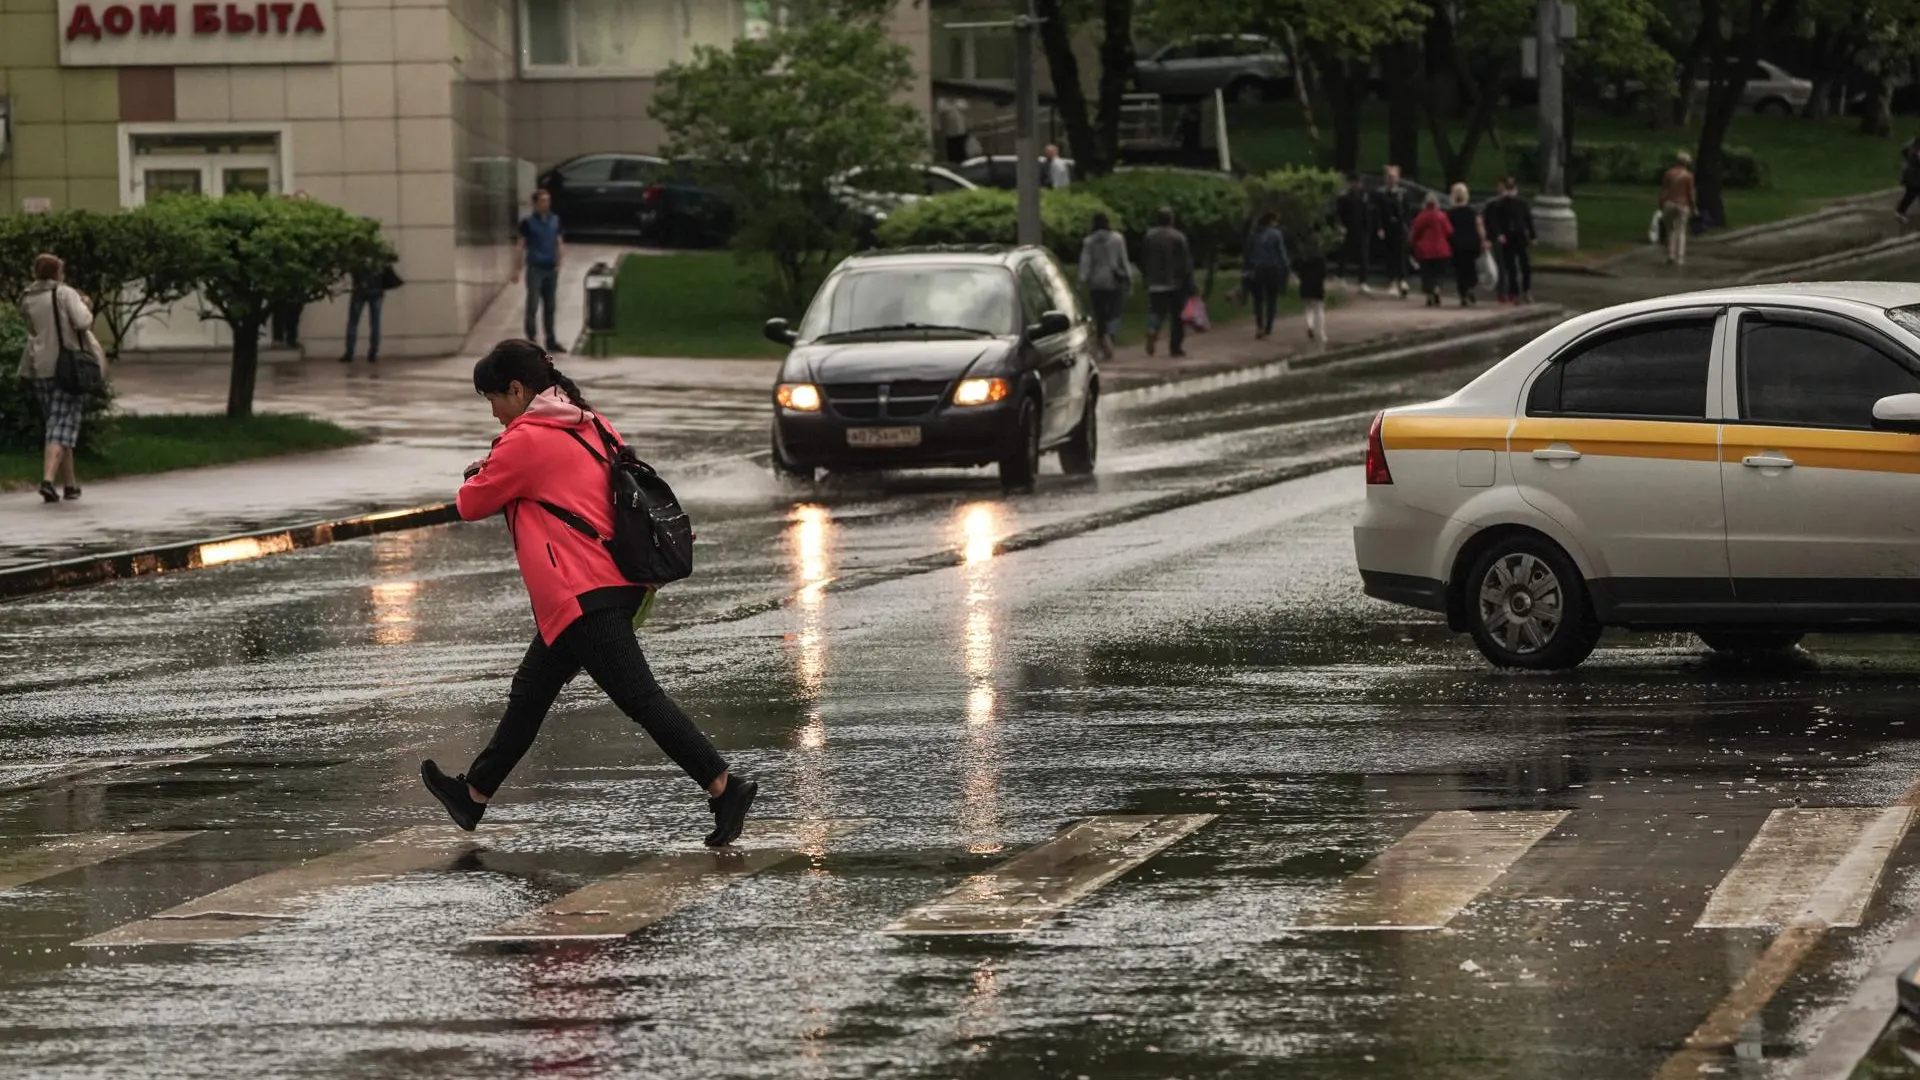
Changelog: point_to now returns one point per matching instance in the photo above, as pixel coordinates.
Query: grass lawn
(162, 443)
(697, 304)
(1810, 161)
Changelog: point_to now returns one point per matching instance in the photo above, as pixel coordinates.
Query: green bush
(1211, 207)
(992, 216)
(1303, 198)
(22, 428)
(1631, 163)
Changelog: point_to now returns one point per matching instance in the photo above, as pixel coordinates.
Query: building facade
(431, 116)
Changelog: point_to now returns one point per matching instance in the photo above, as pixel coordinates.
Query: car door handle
(1557, 453)
(1767, 461)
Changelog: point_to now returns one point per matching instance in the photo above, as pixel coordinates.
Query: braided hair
(522, 361)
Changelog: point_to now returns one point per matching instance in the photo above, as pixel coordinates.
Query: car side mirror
(1900, 412)
(1052, 323)
(779, 333)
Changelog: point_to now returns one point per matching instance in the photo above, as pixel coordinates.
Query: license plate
(883, 436)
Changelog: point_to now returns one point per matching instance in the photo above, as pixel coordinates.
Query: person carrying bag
(65, 365)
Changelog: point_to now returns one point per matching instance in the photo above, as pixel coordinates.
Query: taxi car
(1741, 463)
(937, 357)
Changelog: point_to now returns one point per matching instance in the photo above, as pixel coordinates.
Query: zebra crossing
(1805, 867)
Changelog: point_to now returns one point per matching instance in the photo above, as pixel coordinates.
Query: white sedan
(1742, 463)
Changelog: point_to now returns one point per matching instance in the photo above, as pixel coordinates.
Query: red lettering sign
(238, 22)
(282, 17)
(309, 21)
(156, 19)
(82, 23)
(206, 18)
(118, 20)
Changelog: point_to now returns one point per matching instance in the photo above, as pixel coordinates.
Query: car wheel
(786, 469)
(1749, 641)
(1527, 606)
(1774, 107)
(1020, 461)
(1247, 92)
(1083, 446)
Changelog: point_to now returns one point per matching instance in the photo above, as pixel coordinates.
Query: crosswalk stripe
(73, 852)
(260, 902)
(1808, 867)
(1023, 893)
(636, 898)
(32, 777)
(1433, 873)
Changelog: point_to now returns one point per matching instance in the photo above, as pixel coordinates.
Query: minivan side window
(1034, 301)
(1806, 376)
(1060, 289)
(1655, 370)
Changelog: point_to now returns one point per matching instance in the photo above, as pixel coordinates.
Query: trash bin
(600, 307)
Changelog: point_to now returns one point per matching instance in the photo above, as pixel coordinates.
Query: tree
(1094, 137)
(257, 253)
(129, 264)
(784, 120)
(1736, 31)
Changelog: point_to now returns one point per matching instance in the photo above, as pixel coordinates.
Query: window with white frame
(630, 37)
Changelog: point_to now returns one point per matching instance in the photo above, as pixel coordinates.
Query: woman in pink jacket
(549, 465)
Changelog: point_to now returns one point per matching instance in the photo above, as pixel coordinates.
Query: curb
(196, 554)
(1785, 271)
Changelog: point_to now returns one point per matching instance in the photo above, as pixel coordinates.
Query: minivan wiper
(897, 327)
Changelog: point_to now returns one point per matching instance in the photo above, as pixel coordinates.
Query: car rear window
(1656, 370)
(969, 297)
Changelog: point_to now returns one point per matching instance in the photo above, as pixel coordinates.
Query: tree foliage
(129, 264)
(1092, 133)
(781, 120)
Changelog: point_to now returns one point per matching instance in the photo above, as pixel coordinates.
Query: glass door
(167, 173)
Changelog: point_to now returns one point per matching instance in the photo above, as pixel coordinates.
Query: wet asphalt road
(928, 678)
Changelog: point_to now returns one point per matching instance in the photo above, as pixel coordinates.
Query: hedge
(992, 216)
(1211, 208)
(1630, 163)
(1303, 198)
(22, 428)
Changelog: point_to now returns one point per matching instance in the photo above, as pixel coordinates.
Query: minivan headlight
(980, 391)
(800, 397)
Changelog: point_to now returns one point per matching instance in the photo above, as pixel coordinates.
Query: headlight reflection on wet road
(980, 526)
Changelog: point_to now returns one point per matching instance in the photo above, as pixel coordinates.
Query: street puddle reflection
(980, 525)
(569, 985)
(393, 601)
(809, 537)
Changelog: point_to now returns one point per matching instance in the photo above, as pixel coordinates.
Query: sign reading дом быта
(181, 33)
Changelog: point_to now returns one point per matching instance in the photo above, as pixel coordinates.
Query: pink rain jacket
(535, 459)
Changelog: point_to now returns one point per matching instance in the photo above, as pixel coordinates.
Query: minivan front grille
(903, 400)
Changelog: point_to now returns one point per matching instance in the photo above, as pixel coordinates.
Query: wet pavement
(1123, 778)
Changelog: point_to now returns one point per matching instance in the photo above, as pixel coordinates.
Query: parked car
(603, 194)
(1743, 464)
(926, 357)
(999, 171)
(1247, 66)
(1770, 90)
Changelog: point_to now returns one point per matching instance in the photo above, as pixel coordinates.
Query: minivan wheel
(784, 469)
(1749, 641)
(1083, 446)
(1527, 606)
(1020, 461)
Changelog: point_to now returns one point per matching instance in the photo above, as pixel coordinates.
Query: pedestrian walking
(1468, 241)
(953, 128)
(372, 280)
(1265, 261)
(547, 474)
(1909, 178)
(58, 320)
(1510, 228)
(1054, 171)
(1355, 212)
(283, 322)
(1677, 207)
(1108, 277)
(539, 250)
(1391, 214)
(1312, 271)
(1432, 246)
(1166, 261)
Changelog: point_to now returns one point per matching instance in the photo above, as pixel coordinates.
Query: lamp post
(1553, 215)
(1026, 109)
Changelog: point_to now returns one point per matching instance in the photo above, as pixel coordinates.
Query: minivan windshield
(951, 299)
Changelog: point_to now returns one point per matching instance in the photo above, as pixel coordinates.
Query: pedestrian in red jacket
(1430, 237)
(545, 466)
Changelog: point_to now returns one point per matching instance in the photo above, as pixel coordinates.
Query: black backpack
(652, 541)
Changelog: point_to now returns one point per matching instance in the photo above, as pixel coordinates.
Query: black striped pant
(602, 643)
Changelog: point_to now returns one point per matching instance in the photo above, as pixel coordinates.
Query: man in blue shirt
(538, 251)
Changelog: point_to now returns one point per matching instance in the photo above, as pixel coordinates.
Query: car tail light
(652, 194)
(1377, 454)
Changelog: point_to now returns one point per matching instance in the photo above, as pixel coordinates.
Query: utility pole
(1026, 154)
(1553, 210)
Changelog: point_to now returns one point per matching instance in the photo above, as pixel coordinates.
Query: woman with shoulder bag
(544, 476)
(64, 362)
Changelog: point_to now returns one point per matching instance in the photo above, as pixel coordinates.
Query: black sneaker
(48, 493)
(72, 491)
(730, 810)
(452, 793)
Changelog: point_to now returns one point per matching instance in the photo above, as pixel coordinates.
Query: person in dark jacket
(1392, 214)
(372, 279)
(1265, 260)
(1355, 211)
(1510, 229)
(1167, 263)
(1469, 241)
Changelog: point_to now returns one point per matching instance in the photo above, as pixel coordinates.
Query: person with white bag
(1470, 249)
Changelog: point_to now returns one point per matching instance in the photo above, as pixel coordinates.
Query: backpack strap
(571, 520)
(587, 446)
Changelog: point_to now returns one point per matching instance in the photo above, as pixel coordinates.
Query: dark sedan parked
(939, 357)
(602, 194)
